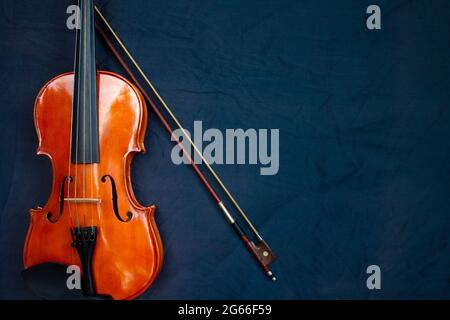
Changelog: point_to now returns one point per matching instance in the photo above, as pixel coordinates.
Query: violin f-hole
(114, 199)
(61, 200)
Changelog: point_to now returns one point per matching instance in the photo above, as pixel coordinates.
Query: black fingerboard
(85, 111)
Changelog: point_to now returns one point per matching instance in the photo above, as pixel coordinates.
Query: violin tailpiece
(84, 240)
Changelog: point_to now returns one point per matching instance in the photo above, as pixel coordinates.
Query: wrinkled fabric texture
(364, 125)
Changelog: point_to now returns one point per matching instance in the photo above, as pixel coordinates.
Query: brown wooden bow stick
(260, 250)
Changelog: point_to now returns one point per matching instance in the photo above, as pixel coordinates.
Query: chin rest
(48, 281)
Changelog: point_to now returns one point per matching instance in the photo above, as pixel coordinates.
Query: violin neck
(84, 148)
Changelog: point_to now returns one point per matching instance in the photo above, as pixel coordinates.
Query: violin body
(85, 197)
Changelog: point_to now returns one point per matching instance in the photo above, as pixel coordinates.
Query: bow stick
(260, 250)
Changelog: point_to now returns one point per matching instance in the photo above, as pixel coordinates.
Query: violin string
(84, 119)
(174, 118)
(78, 118)
(71, 128)
(70, 181)
(93, 98)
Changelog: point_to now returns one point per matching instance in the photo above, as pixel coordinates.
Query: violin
(90, 124)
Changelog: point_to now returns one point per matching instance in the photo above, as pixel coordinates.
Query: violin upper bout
(122, 113)
(52, 113)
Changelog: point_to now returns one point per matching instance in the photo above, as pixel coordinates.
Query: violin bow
(259, 249)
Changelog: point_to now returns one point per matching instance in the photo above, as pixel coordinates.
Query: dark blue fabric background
(364, 157)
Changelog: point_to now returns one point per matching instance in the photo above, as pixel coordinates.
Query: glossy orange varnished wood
(128, 255)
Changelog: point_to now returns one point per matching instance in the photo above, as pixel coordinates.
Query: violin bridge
(84, 200)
